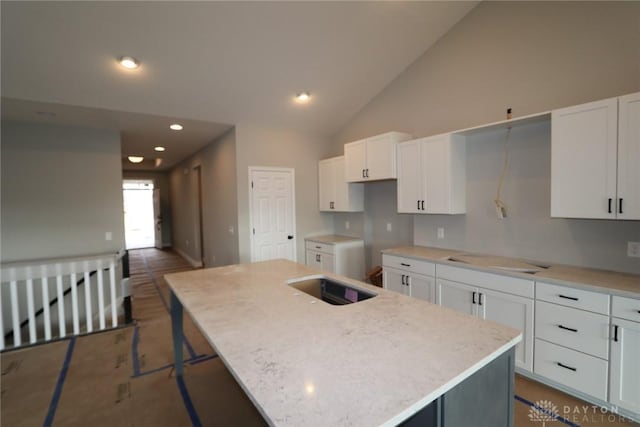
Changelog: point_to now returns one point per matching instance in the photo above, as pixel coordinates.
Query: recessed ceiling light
(135, 159)
(303, 97)
(158, 148)
(129, 62)
(176, 126)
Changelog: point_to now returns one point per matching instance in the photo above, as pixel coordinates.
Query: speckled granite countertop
(304, 362)
(609, 282)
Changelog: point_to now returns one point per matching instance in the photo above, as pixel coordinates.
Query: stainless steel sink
(330, 291)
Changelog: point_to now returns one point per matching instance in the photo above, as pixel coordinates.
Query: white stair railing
(27, 311)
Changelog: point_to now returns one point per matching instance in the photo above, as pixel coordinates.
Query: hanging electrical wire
(501, 207)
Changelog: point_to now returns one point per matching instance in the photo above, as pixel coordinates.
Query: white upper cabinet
(373, 158)
(629, 156)
(432, 175)
(595, 155)
(334, 193)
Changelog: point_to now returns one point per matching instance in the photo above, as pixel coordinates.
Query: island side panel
(485, 399)
(176, 327)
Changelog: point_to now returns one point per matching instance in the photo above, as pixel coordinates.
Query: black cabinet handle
(402, 279)
(566, 297)
(423, 205)
(408, 281)
(289, 237)
(480, 298)
(620, 205)
(615, 333)
(567, 329)
(473, 298)
(566, 367)
(318, 257)
(609, 205)
(418, 202)
(363, 173)
(405, 265)
(367, 173)
(318, 247)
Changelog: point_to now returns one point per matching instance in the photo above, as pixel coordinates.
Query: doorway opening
(139, 218)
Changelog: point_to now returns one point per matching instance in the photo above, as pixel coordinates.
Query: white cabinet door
(457, 296)
(435, 157)
(515, 312)
(422, 287)
(355, 160)
(381, 157)
(313, 259)
(326, 184)
(625, 365)
(410, 168)
(395, 280)
(327, 263)
(583, 160)
(629, 157)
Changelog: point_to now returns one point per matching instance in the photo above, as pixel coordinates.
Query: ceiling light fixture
(129, 62)
(176, 126)
(303, 97)
(159, 148)
(135, 159)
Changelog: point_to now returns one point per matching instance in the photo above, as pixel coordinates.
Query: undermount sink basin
(498, 263)
(330, 291)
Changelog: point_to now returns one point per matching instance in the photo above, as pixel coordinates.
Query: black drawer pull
(318, 247)
(473, 298)
(418, 204)
(480, 298)
(423, 205)
(566, 297)
(615, 333)
(566, 367)
(567, 329)
(610, 206)
(620, 208)
(405, 265)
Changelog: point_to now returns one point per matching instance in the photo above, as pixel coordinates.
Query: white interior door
(272, 214)
(157, 215)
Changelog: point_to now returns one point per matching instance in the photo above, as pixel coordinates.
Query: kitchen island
(383, 361)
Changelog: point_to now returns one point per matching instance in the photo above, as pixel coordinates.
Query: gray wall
(532, 57)
(217, 162)
(61, 191)
(160, 181)
(263, 146)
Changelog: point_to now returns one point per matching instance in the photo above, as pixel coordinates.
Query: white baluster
(74, 303)
(15, 313)
(101, 295)
(44, 282)
(62, 326)
(112, 285)
(87, 297)
(31, 311)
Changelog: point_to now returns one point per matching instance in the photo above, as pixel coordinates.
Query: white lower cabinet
(511, 310)
(407, 276)
(625, 355)
(336, 254)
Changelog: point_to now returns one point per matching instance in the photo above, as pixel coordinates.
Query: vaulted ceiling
(220, 63)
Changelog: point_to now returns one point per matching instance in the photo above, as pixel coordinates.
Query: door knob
(289, 237)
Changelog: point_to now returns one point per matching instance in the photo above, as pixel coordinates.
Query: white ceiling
(223, 63)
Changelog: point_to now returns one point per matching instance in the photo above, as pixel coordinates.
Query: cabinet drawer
(409, 265)
(625, 308)
(580, 330)
(320, 247)
(496, 282)
(572, 297)
(571, 368)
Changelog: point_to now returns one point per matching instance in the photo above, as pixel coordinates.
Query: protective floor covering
(124, 377)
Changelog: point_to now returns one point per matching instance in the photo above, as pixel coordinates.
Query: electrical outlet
(108, 235)
(347, 225)
(633, 249)
(388, 226)
(440, 233)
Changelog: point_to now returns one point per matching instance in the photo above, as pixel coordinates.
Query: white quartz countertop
(304, 362)
(611, 282)
(332, 239)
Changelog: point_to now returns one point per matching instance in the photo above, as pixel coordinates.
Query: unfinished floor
(124, 377)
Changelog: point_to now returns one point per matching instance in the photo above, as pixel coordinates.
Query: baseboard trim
(193, 262)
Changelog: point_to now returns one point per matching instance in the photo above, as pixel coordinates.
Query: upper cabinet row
(595, 159)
